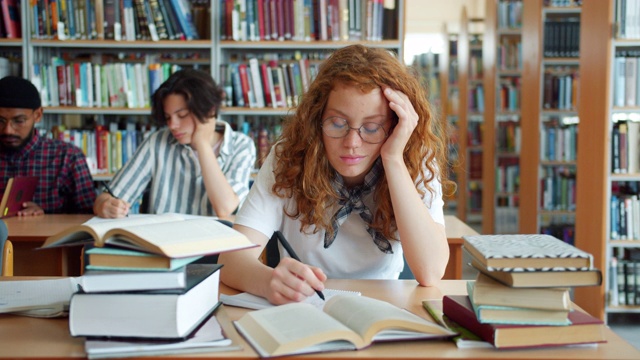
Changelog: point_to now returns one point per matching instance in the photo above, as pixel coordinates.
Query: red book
(62, 85)
(261, 23)
(584, 328)
(244, 82)
(264, 76)
(11, 17)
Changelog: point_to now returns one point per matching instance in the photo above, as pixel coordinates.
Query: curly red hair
(302, 170)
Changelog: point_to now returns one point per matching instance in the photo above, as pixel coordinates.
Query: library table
(29, 232)
(455, 229)
(32, 338)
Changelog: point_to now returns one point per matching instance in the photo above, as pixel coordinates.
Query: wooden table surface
(32, 338)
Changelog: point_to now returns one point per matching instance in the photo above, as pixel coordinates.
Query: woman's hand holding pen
(407, 122)
(293, 281)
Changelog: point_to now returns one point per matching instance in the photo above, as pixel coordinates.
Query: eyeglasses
(370, 132)
(17, 122)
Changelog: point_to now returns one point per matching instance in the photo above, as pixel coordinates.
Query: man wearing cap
(65, 184)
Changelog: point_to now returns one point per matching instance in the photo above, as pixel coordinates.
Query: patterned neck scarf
(351, 200)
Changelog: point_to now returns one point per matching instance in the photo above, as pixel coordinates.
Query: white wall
(425, 20)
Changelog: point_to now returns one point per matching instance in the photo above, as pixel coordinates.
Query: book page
(290, 328)
(40, 298)
(96, 227)
(177, 239)
(250, 301)
(368, 317)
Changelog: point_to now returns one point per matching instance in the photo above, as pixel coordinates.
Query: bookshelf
(449, 101)
(43, 48)
(289, 56)
(471, 106)
(619, 53)
(502, 61)
(551, 82)
(590, 162)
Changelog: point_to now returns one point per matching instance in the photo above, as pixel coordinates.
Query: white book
(90, 85)
(254, 68)
(619, 81)
(97, 281)
(37, 298)
(97, 85)
(168, 314)
(250, 301)
(631, 64)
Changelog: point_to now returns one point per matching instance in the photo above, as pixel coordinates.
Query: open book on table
(170, 235)
(347, 322)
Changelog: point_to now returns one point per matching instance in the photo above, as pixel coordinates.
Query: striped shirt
(65, 185)
(173, 174)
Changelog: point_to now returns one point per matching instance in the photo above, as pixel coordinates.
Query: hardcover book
(168, 314)
(506, 314)
(169, 235)
(347, 322)
(542, 278)
(487, 291)
(528, 251)
(584, 328)
(19, 189)
(109, 258)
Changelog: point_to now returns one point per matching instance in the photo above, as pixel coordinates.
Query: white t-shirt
(353, 254)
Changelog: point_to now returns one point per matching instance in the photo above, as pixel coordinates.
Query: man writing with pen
(353, 184)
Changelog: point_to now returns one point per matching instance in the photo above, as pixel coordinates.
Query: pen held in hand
(106, 187)
(293, 254)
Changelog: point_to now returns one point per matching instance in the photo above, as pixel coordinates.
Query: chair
(6, 259)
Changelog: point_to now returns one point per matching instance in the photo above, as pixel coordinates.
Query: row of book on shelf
(625, 144)
(560, 88)
(559, 139)
(625, 217)
(510, 14)
(87, 84)
(267, 83)
(327, 20)
(626, 14)
(108, 147)
(561, 37)
(521, 295)
(558, 189)
(128, 20)
(625, 282)
(626, 78)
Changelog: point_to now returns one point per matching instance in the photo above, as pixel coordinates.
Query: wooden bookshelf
(463, 110)
(496, 217)
(593, 147)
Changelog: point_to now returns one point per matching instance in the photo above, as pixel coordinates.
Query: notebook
(251, 301)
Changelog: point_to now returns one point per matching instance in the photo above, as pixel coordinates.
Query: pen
(106, 187)
(293, 254)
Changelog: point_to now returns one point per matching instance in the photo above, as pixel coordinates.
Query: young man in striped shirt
(196, 165)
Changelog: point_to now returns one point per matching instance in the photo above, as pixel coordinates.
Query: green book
(108, 258)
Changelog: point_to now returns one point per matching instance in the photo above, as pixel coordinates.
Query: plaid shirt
(65, 184)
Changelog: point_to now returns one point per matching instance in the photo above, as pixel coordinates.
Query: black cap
(16, 92)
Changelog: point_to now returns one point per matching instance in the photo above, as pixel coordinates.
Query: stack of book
(141, 283)
(521, 296)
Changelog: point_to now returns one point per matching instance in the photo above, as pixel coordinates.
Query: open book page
(250, 301)
(295, 328)
(95, 228)
(178, 239)
(376, 320)
(37, 297)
